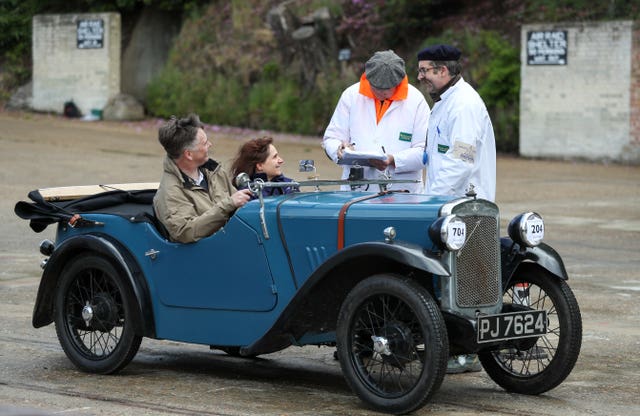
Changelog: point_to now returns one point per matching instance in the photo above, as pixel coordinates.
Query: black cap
(439, 53)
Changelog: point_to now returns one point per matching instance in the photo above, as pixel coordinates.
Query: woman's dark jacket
(268, 191)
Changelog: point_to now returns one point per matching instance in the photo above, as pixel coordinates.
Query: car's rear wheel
(94, 308)
(536, 365)
(392, 343)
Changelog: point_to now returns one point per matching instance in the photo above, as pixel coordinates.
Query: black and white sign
(547, 47)
(513, 325)
(90, 34)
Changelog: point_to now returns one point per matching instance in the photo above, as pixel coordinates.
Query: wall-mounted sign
(344, 54)
(90, 34)
(547, 47)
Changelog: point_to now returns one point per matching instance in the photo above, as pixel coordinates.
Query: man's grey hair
(454, 67)
(179, 134)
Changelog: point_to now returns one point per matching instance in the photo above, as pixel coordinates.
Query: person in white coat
(381, 114)
(461, 147)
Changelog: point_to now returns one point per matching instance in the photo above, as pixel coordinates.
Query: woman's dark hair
(177, 134)
(250, 154)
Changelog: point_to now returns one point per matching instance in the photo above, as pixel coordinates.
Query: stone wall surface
(71, 62)
(587, 105)
(632, 150)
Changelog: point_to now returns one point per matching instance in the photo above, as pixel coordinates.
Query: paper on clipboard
(355, 157)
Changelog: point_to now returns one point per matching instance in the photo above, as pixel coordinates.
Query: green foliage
(15, 44)
(15, 28)
(567, 10)
(403, 20)
(225, 64)
(241, 81)
(274, 102)
(501, 91)
(278, 104)
(165, 94)
(224, 101)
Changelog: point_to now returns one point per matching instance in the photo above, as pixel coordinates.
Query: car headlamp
(389, 234)
(527, 229)
(448, 232)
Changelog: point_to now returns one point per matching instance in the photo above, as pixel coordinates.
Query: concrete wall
(582, 107)
(632, 150)
(65, 69)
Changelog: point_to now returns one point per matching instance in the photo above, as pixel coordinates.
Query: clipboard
(355, 157)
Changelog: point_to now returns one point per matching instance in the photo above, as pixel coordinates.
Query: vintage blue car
(398, 282)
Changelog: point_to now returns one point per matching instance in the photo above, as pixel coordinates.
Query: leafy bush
(15, 28)
(273, 102)
(225, 64)
(15, 44)
(581, 10)
(163, 95)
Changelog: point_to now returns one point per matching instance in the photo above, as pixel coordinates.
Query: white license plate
(511, 325)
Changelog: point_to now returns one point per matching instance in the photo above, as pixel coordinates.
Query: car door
(226, 271)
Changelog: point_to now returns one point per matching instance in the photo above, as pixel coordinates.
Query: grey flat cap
(384, 70)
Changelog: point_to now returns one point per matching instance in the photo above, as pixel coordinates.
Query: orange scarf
(381, 106)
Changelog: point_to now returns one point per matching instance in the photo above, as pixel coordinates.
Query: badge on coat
(405, 137)
(465, 152)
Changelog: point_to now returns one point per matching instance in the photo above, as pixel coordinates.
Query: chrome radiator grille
(478, 263)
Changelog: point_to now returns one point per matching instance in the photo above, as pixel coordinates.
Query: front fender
(121, 259)
(543, 255)
(410, 254)
(315, 306)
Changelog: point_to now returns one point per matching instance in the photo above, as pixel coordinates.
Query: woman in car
(259, 159)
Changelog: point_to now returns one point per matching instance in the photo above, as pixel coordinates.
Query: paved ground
(592, 217)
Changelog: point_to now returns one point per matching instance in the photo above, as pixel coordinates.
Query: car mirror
(242, 181)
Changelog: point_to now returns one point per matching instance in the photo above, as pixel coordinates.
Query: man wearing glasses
(461, 147)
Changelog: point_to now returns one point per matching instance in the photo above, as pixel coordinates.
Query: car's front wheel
(392, 343)
(536, 365)
(94, 315)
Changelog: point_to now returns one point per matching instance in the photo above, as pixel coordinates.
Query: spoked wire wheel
(392, 343)
(535, 365)
(94, 316)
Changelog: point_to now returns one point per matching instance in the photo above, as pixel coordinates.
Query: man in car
(196, 197)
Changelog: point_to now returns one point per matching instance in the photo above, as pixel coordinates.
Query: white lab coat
(461, 146)
(401, 131)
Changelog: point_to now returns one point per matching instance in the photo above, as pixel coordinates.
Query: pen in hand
(389, 160)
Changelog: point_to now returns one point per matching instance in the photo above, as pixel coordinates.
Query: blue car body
(229, 288)
(284, 271)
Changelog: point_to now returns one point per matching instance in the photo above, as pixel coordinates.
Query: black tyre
(232, 351)
(94, 308)
(392, 343)
(235, 352)
(536, 365)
